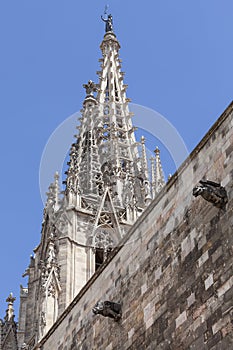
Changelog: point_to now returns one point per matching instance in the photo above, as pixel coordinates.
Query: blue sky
(177, 56)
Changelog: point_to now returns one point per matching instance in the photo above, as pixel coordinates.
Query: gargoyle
(212, 192)
(108, 309)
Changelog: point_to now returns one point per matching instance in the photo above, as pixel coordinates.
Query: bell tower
(108, 185)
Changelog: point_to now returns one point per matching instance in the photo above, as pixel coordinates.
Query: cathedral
(125, 260)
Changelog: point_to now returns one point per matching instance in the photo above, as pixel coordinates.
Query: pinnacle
(10, 299)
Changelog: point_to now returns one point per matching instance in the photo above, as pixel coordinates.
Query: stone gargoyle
(212, 192)
(108, 309)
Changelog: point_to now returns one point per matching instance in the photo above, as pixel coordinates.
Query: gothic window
(119, 123)
(104, 150)
(118, 109)
(106, 135)
(121, 136)
(116, 92)
(123, 164)
(123, 152)
(50, 289)
(107, 92)
(106, 110)
(103, 245)
(99, 258)
(107, 96)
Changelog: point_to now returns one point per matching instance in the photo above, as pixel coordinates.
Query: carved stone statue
(212, 192)
(108, 309)
(109, 25)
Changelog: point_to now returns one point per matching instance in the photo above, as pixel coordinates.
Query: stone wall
(173, 274)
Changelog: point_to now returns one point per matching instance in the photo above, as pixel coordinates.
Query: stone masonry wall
(173, 274)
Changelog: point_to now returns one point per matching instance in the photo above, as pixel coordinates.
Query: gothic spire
(106, 153)
(53, 194)
(8, 327)
(146, 182)
(108, 186)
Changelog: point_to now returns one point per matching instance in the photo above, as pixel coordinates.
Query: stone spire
(156, 173)
(107, 187)
(8, 327)
(85, 158)
(106, 153)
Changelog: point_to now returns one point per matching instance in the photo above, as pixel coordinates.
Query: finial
(10, 299)
(108, 21)
(157, 151)
(143, 140)
(90, 87)
(10, 310)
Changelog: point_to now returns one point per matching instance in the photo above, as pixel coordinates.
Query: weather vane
(108, 20)
(106, 9)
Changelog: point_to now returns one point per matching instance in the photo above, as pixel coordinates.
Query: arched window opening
(107, 92)
(103, 245)
(116, 91)
(99, 258)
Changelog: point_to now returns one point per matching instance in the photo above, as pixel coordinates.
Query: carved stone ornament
(212, 192)
(90, 87)
(108, 309)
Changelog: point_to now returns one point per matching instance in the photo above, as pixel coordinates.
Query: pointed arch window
(99, 258)
(116, 91)
(118, 110)
(106, 110)
(103, 245)
(107, 92)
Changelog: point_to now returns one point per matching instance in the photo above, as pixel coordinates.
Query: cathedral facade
(126, 261)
